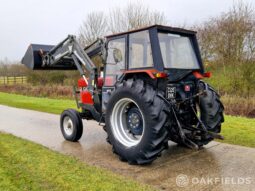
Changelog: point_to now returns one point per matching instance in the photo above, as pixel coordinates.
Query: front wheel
(71, 125)
(135, 119)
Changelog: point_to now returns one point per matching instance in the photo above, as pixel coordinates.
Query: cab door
(115, 65)
(116, 60)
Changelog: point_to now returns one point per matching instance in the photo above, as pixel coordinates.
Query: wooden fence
(4, 80)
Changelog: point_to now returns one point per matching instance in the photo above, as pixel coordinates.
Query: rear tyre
(135, 119)
(211, 109)
(71, 125)
(211, 114)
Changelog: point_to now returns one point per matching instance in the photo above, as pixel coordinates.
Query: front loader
(146, 90)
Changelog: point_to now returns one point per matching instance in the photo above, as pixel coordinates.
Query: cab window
(115, 61)
(140, 54)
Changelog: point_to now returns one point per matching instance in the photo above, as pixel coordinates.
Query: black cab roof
(159, 27)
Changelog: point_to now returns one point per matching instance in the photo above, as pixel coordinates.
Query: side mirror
(117, 55)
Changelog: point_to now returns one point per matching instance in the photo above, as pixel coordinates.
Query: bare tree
(3, 69)
(12, 68)
(93, 27)
(116, 21)
(134, 16)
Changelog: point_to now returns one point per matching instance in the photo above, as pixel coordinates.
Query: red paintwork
(82, 83)
(207, 74)
(153, 73)
(109, 81)
(86, 97)
(198, 75)
(100, 82)
(150, 72)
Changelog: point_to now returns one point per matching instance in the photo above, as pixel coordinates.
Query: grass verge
(239, 131)
(55, 106)
(236, 130)
(28, 166)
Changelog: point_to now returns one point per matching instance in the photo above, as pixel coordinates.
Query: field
(27, 166)
(237, 130)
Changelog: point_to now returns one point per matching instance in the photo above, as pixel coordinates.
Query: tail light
(160, 75)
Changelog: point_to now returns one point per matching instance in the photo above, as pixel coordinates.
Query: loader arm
(69, 51)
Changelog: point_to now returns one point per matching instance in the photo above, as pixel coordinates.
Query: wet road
(216, 167)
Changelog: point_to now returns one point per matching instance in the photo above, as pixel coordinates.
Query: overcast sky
(49, 21)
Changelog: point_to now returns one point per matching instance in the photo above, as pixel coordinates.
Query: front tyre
(135, 119)
(71, 125)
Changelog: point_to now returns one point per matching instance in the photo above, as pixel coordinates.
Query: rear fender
(152, 73)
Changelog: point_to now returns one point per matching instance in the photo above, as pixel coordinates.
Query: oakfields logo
(182, 180)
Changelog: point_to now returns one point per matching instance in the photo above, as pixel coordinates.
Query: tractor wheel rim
(68, 126)
(119, 119)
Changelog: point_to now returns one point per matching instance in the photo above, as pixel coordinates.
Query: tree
(229, 41)
(133, 16)
(12, 68)
(94, 26)
(230, 37)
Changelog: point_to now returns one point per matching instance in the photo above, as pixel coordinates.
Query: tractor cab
(152, 50)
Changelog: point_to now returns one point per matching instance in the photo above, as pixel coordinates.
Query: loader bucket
(33, 60)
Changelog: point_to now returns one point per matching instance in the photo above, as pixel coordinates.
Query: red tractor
(145, 88)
